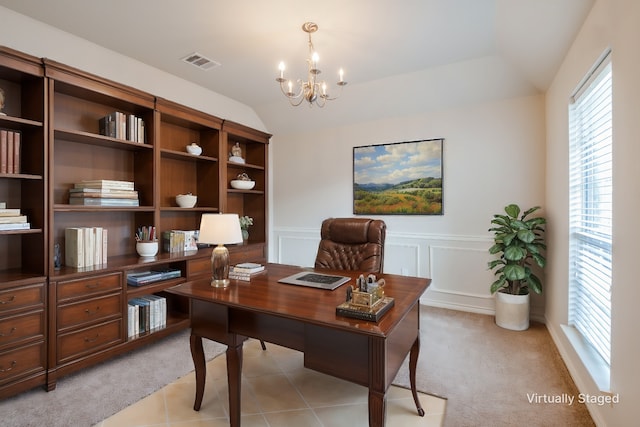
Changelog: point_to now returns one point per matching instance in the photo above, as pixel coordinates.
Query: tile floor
(276, 391)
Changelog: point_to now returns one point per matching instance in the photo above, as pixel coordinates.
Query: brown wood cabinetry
(23, 253)
(252, 203)
(56, 320)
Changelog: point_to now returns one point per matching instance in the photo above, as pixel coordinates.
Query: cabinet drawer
(21, 297)
(21, 361)
(88, 340)
(21, 327)
(94, 309)
(88, 286)
(200, 267)
(254, 252)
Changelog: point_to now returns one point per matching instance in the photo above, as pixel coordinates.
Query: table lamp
(220, 229)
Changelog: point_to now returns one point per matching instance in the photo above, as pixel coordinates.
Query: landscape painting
(403, 178)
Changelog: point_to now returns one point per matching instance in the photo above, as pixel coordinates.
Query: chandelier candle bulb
(341, 73)
(281, 68)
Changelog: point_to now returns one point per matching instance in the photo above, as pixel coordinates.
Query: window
(590, 210)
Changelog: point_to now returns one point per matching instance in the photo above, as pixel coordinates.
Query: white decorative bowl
(186, 200)
(194, 149)
(147, 249)
(241, 184)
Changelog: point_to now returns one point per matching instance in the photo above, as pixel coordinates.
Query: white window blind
(590, 210)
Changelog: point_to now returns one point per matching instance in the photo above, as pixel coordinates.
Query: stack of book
(12, 219)
(142, 278)
(85, 246)
(10, 151)
(245, 270)
(180, 240)
(122, 126)
(146, 314)
(104, 192)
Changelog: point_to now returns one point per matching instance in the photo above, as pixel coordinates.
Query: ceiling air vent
(201, 61)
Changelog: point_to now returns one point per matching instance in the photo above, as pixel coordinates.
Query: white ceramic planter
(512, 311)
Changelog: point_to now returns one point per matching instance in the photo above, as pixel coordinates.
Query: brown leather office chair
(352, 244)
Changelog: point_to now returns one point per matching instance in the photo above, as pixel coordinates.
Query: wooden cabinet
(54, 319)
(253, 202)
(22, 336)
(23, 252)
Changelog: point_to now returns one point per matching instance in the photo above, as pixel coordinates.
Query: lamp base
(220, 267)
(219, 283)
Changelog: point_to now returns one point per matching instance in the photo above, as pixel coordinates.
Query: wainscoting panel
(457, 265)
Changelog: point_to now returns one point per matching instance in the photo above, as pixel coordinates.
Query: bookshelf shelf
(101, 140)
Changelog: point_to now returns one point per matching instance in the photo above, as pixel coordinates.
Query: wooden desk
(304, 319)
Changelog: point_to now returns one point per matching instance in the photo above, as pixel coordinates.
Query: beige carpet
(488, 373)
(484, 371)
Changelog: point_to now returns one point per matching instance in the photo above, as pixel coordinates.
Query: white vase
(512, 311)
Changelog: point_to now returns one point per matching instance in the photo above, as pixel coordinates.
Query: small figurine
(236, 154)
(236, 150)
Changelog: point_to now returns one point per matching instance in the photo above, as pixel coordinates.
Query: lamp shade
(220, 229)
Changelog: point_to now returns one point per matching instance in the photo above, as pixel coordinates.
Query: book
(105, 184)
(373, 313)
(247, 267)
(74, 247)
(103, 193)
(105, 247)
(10, 151)
(16, 152)
(15, 226)
(168, 272)
(3, 150)
(9, 212)
(13, 219)
(143, 278)
(102, 201)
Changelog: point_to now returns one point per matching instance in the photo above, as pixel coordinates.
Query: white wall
(611, 23)
(43, 41)
(493, 155)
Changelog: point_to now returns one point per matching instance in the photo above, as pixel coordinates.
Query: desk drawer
(21, 361)
(91, 310)
(89, 286)
(89, 340)
(21, 297)
(21, 327)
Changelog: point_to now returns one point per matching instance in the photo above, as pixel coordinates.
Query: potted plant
(519, 243)
(245, 222)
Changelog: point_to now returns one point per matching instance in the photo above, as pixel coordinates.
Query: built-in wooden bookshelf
(81, 313)
(23, 253)
(253, 203)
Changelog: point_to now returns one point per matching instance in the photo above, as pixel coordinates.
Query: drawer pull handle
(94, 339)
(10, 332)
(91, 313)
(8, 301)
(13, 365)
(93, 285)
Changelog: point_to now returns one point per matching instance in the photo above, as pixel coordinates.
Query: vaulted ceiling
(401, 56)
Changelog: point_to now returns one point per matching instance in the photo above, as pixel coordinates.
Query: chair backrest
(352, 244)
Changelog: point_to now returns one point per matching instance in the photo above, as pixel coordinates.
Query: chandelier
(312, 90)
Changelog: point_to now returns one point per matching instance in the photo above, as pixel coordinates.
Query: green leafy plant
(245, 222)
(519, 241)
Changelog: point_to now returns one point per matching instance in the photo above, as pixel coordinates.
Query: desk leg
(234, 381)
(197, 354)
(413, 362)
(377, 408)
